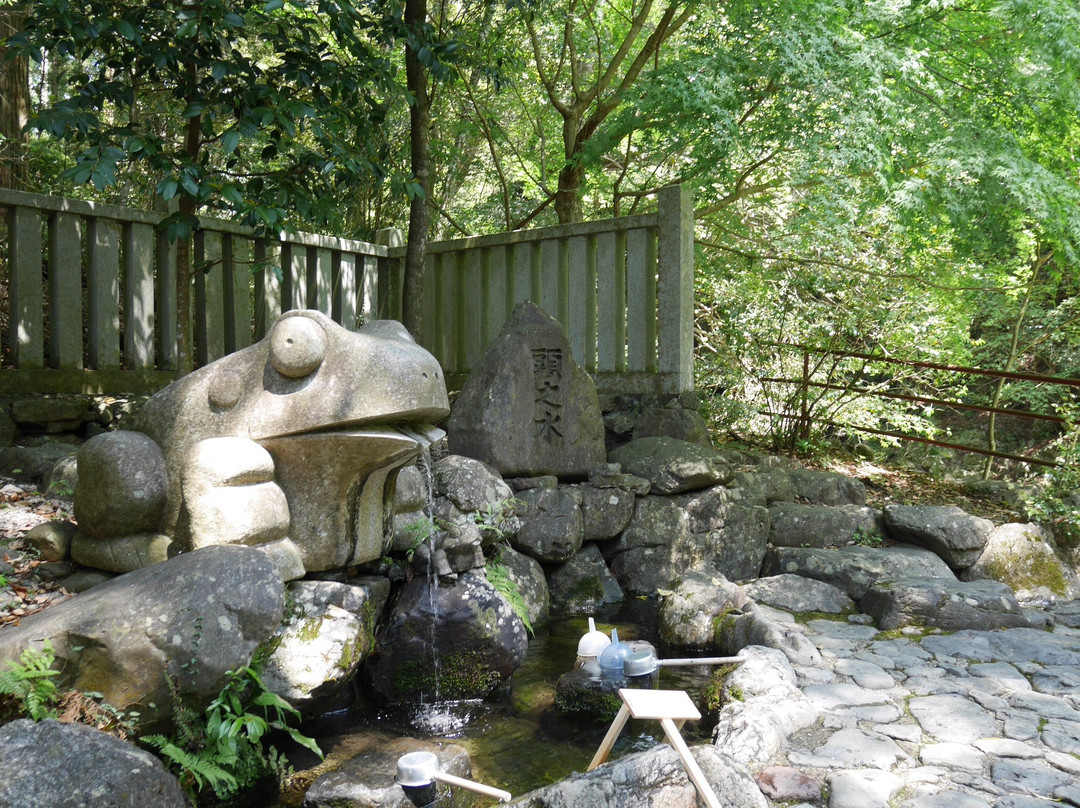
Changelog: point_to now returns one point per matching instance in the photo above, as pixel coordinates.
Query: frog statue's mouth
(340, 487)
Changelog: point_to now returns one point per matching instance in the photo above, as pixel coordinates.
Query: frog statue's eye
(297, 347)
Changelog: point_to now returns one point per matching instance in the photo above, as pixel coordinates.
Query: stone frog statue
(293, 444)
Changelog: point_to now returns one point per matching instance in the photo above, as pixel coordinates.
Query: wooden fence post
(675, 270)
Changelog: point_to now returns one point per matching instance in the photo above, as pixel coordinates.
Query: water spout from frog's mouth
(340, 485)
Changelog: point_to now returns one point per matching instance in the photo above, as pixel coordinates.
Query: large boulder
(728, 534)
(652, 779)
(191, 619)
(797, 525)
(327, 631)
(1025, 558)
(527, 575)
(455, 641)
(528, 408)
(947, 604)
(762, 707)
(827, 488)
(605, 512)
(584, 583)
(471, 485)
(641, 557)
(688, 614)
(552, 528)
(853, 569)
(121, 486)
(794, 593)
(54, 765)
(670, 465)
(956, 536)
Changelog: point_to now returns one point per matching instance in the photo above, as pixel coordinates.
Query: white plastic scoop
(420, 769)
(592, 643)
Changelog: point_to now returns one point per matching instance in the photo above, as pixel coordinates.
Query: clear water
(515, 739)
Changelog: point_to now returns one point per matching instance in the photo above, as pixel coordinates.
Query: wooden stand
(672, 708)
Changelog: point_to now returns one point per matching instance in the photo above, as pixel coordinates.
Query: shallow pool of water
(516, 740)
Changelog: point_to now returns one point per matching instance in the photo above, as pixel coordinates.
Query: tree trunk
(14, 104)
(412, 292)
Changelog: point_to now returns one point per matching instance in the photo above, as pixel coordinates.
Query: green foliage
(499, 577)
(224, 748)
(1057, 504)
(30, 682)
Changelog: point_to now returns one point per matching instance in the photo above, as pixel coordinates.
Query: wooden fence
(92, 298)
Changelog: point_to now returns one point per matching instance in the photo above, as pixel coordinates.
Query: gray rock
(953, 756)
(456, 641)
(41, 411)
(548, 418)
(469, 484)
(851, 748)
(796, 525)
(794, 593)
(552, 528)
(528, 576)
(327, 631)
(123, 553)
(51, 540)
(121, 488)
(853, 569)
(762, 707)
(641, 558)
(671, 466)
(956, 536)
(124, 637)
(583, 583)
(688, 613)
(1028, 776)
(367, 780)
(82, 580)
(827, 488)
(52, 765)
(869, 788)
(32, 463)
(1025, 558)
(736, 630)
(610, 475)
(605, 512)
(8, 430)
(62, 478)
(728, 535)
(765, 485)
(685, 425)
(652, 779)
(950, 605)
(952, 718)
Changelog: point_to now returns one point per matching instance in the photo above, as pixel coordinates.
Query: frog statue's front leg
(228, 491)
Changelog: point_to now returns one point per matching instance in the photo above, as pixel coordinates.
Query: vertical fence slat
(548, 298)
(522, 272)
(65, 292)
(268, 291)
(165, 293)
(581, 300)
(139, 244)
(211, 320)
(242, 252)
(103, 294)
(346, 288)
(468, 267)
(27, 318)
(639, 306)
(431, 339)
(610, 303)
(445, 314)
(320, 280)
(369, 300)
(675, 292)
(297, 273)
(497, 310)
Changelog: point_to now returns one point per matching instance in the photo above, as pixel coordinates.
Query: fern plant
(499, 577)
(30, 684)
(223, 749)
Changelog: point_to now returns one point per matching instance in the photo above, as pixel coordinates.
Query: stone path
(913, 719)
